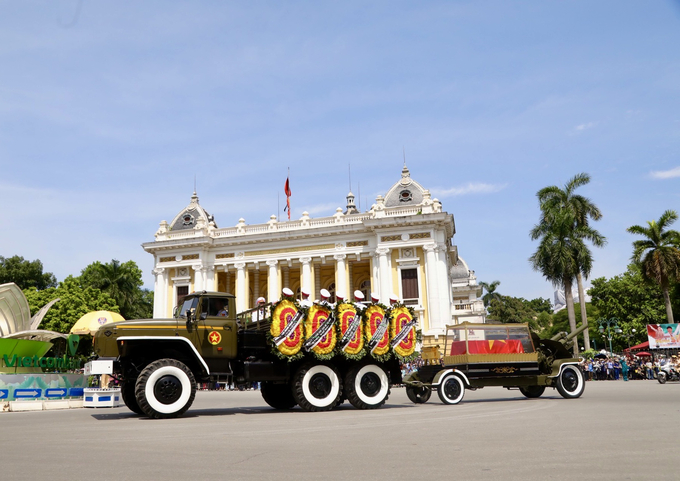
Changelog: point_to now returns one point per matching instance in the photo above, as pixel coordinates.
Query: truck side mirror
(175, 312)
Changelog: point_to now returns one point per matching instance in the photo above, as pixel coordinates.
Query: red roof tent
(639, 347)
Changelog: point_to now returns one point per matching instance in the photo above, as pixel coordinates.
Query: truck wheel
(278, 396)
(451, 389)
(532, 391)
(317, 387)
(570, 382)
(165, 389)
(127, 392)
(661, 377)
(418, 395)
(367, 386)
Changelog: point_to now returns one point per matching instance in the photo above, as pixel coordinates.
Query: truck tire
(278, 396)
(570, 383)
(418, 395)
(451, 389)
(532, 391)
(165, 389)
(317, 387)
(367, 386)
(127, 392)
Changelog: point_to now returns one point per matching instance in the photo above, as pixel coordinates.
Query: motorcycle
(667, 373)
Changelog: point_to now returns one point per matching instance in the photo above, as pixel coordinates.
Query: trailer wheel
(570, 383)
(532, 391)
(418, 395)
(165, 389)
(451, 389)
(367, 386)
(317, 387)
(278, 396)
(127, 392)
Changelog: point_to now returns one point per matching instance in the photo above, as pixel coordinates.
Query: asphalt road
(616, 430)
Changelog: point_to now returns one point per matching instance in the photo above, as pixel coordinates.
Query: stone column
(384, 275)
(317, 282)
(444, 286)
(273, 280)
(350, 279)
(432, 286)
(210, 278)
(286, 277)
(256, 281)
(340, 275)
(198, 277)
(227, 280)
(306, 272)
(241, 288)
(160, 293)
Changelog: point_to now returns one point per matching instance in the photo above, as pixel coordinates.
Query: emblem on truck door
(214, 338)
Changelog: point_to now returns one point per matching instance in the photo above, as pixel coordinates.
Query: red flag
(286, 189)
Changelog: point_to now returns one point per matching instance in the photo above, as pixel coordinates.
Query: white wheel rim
(335, 386)
(158, 406)
(384, 384)
(579, 386)
(457, 380)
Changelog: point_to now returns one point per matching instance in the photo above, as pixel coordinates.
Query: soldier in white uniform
(359, 301)
(305, 302)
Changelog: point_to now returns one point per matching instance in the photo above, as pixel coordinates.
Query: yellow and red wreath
(315, 318)
(346, 314)
(284, 312)
(400, 317)
(374, 316)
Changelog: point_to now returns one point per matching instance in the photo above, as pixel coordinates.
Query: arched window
(365, 289)
(331, 289)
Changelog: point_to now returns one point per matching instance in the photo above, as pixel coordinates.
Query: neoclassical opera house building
(403, 245)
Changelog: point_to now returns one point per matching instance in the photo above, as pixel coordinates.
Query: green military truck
(159, 362)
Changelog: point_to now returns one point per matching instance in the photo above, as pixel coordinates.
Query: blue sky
(109, 109)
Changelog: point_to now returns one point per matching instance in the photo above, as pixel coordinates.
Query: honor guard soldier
(325, 296)
(305, 301)
(359, 300)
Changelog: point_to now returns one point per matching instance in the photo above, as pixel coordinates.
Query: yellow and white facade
(403, 245)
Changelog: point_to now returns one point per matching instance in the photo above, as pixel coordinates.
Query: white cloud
(470, 188)
(665, 174)
(582, 127)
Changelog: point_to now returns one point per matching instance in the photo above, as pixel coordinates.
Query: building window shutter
(409, 286)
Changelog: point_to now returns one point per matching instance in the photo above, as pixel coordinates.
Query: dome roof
(405, 192)
(192, 216)
(460, 270)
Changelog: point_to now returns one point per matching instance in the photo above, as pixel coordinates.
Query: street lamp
(609, 324)
(628, 336)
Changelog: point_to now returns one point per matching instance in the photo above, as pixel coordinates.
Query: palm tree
(490, 292)
(659, 254)
(120, 281)
(553, 199)
(562, 254)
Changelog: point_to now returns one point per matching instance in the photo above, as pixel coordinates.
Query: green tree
(490, 292)
(659, 254)
(75, 301)
(566, 215)
(123, 283)
(507, 309)
(631, 300)
(25, 273)
(560, 322)
(562, 254)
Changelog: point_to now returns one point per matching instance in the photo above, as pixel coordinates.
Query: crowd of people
(625, 367)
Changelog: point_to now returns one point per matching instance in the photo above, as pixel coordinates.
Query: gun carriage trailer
(506, 355)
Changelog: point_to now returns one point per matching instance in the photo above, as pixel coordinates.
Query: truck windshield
(189, 303)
